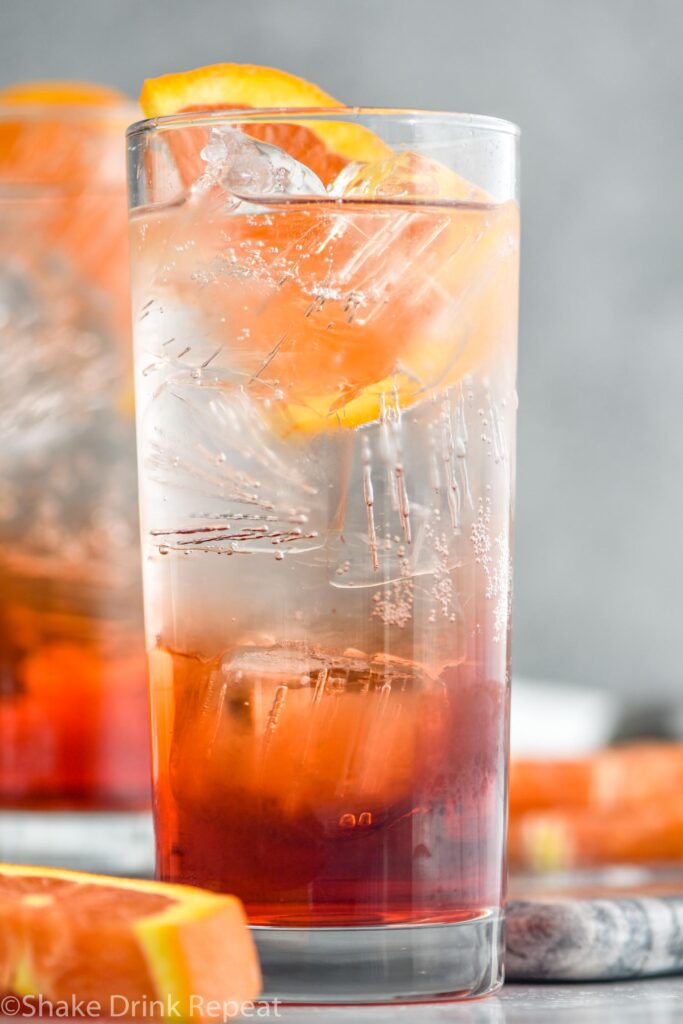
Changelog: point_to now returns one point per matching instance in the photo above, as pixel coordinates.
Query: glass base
(104, 842)
(399, 963)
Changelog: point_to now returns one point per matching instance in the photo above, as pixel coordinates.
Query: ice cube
(295, 729)
(250, 169)
(300, 666)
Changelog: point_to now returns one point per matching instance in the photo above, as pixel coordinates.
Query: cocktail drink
(73, 714)
(326, 402)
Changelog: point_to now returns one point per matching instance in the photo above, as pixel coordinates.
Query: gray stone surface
(644, 1002)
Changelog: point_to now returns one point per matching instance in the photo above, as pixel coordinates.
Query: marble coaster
(596, 927)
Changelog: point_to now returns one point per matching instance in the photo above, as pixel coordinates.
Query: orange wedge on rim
(71, 936)
(324, 146)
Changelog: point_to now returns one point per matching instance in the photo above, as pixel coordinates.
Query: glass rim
(476, 123)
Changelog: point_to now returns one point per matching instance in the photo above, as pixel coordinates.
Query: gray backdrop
(597, 86)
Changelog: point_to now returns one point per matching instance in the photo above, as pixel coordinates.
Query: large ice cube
(309, 666)
(250, 169)
(302, 728)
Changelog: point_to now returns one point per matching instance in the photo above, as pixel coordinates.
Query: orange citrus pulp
(67, 935)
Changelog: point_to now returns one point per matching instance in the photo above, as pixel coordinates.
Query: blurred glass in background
(73, 703)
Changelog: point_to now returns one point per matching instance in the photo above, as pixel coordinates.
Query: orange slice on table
(387, 302)
(72, 936)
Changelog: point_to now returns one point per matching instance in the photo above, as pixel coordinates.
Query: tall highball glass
(325, 317)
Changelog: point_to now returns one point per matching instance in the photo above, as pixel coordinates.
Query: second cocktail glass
(326, 406)
(74, 722)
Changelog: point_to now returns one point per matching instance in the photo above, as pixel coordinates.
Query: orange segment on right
(72, 936)
(620, 805)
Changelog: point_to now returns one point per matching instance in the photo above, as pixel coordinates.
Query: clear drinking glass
(325, 377)
(74, 732)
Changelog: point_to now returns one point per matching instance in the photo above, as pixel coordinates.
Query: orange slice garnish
(72, 936)
(324, 146)
(337, 312)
